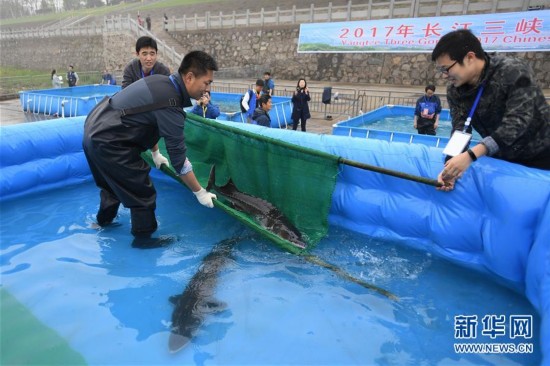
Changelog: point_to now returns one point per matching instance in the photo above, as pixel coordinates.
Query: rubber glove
(159, 159)
(205, 197)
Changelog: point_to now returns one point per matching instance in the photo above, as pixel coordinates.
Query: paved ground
(12, 113)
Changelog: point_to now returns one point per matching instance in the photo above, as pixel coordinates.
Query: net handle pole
(393, 173)
(303, 149)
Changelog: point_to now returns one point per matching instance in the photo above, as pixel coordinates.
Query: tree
(13, 9)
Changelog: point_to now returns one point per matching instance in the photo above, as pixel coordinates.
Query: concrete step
(157, 28)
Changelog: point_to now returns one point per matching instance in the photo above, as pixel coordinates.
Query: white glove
(205, 197)
(159, 159)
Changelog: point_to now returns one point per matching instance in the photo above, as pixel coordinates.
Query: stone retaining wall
(92, 53)
(275, 49)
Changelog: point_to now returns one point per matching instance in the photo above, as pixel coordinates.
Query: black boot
(108, 208)
(146, 242)
(144, 224)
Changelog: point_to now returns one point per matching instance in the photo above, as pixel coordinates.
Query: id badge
(459, 140)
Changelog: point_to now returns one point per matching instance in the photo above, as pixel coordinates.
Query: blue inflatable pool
(497, 220)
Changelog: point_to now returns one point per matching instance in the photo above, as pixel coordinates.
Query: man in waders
(120, 128)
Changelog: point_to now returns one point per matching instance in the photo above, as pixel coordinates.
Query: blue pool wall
(65, 102)
(280, 113)
(41, 155)
(386, 111)
(497, 220)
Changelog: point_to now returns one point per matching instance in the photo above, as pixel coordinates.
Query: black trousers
(427, 130)
(297, 121)
(123, 177)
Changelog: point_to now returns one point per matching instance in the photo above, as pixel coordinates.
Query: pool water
(402, 123)
(227, 106)
(109, 302)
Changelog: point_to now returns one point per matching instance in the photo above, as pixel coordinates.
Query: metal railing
(127, 24)
(344, 102)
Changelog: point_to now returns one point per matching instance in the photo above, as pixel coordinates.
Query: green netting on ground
(25, 340)
(298, 181)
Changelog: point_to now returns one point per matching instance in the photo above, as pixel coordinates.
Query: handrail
(120, 23)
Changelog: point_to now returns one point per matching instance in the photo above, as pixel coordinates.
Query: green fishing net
(298, 181)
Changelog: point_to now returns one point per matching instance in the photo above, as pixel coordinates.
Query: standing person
(148, 21)
(145, 64)
(427, 111)
(165, 22)
(205, 108)
(500, 93)
(269, 84)
(249, 101)
(121, 127)
(261, 114)
(108, 78)
(300, 106)
(140, 21)
(72, 76)
(56, 80)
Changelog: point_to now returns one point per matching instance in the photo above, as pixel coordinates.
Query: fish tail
(211, 179)
(343, 274)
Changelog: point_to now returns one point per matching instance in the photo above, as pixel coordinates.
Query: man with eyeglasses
(500, 94)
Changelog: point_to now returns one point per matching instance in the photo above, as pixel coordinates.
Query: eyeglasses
(445, 69)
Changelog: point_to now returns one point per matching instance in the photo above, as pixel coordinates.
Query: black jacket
(513, 116)
(300, 107)
(261, 117)
(135, 133)
(132, 71)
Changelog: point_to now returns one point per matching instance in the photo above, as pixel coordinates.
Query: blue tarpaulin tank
(280, 113)
(65, 102)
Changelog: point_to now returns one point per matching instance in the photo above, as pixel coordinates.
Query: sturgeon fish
(272, 219)
(265, 213)
(197, 300)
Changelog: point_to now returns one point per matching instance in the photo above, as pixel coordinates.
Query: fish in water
(197, 300)
(265, 213)
(273, 220)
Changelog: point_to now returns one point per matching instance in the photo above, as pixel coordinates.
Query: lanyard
(474, 106)
(176, 85)
(143, 74)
